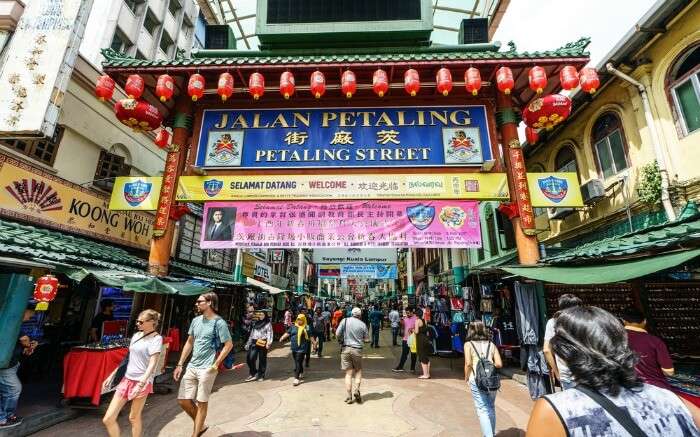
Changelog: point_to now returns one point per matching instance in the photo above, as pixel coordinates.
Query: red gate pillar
(164, 228)
(522, 215)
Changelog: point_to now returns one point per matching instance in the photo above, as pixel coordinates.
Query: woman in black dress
(423, 344)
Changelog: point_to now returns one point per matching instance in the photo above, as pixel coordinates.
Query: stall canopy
(604, 273)
(158, 286)
(269, 288)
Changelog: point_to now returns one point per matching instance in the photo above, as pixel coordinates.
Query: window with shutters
(684, 86)
(109, 166)
(43, 149)
(610, 147)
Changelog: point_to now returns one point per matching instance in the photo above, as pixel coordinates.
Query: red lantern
(104, 88)
(504, 80)
(538, 79)
(568, 76)
(443, 81)
(195, 87)
(472, 80)
(589, 80)
(411, 82)
(134, 86)
(225, 86)
(162, 138)
(531, 135)
(46, 288)
(547, 112)
(380, 82)
(256, 85)
(178, 210)
(287, 84)
(318, 84)
(138, 115)
(165, 86)
(348, 83)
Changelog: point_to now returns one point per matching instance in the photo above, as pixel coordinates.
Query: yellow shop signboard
(554, 190)
(135, 193)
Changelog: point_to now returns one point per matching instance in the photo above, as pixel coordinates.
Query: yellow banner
(466, 186)
(554, 190)
(135, 193)
(35, 196)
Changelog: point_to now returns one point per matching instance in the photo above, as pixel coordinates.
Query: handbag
(121, 369)
(412, 343)
(622, 416)
(261, 343)
(230, 359)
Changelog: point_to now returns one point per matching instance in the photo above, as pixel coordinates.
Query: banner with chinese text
(302, 224)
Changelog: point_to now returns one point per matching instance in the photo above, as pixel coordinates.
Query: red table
(84, 371)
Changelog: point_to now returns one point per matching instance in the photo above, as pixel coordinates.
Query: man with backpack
(481, 359)
(207, 331)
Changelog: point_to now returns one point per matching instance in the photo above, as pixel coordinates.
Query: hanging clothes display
(527, 313)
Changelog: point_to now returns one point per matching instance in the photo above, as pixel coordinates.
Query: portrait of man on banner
(219, 224)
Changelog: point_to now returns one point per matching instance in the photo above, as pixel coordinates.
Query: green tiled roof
(465, 52)
(30, 242)
(659, 238)
(199, 272)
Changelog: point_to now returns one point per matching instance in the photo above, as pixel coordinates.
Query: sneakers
(296, 382)
(349, 399)
(11, 422)
(358, 398)
(261, 378)
(397, 370)
(250, 378)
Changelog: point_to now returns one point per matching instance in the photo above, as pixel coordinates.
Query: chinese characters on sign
(166, 191)
(286, 224)
(522, 193)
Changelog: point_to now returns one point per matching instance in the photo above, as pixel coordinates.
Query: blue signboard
(344, 137)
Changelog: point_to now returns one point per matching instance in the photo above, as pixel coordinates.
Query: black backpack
(485, 374)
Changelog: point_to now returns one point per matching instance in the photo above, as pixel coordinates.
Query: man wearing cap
(352, 332)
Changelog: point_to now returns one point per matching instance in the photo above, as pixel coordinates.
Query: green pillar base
(411, 290)
(299, 289)
(238, 274)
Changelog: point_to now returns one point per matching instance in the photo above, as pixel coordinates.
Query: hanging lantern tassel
(287, 84)
(134, 86)
(104, 89)
(589, 80)
(165, 86)
(256, 85)
(504, 80)
(568, 76)
(538, 79)
(225, 86)
(380, 82)
(195, 87)
(443, 81)
(162, 138)
(411, 82)
(532, 136)
(472, 81)
(318, 84)
(348, 83)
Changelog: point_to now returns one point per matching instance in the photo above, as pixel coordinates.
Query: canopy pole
(410, 288)
(300, 273)
(523, 219)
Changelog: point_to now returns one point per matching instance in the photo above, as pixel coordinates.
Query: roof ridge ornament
(112, 55)
(512, 48)
(576, 47)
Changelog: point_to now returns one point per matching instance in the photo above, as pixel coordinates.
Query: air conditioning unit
(559, 213)
(219, 37)
(473, 31)
(593, 191)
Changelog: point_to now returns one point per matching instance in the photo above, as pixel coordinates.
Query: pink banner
(303, 224)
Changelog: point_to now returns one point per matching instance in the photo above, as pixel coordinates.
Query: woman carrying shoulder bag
(137, 383)
(258, 344)
(481, 359)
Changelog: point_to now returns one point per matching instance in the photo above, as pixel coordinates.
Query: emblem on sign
(421, 216)
(452, 217)
(225, 149)
(213, 186)
(136, 192)
(553, 188)
(462, 146)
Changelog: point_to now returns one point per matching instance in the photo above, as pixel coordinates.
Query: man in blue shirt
(375, 320)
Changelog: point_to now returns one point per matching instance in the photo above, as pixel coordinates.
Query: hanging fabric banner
(341, 224)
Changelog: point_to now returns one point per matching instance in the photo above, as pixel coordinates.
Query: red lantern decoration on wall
(380, 82)
(134, 86)
(532, 136)
(104, 87)
(178, 210)
(472, 80)
(287, 84)
(224, 87)
(256, 85)
(317, 84)
(348, 83)
(443, 81)
(589, 80)
(162, 138)
(165, 86)
(411, 82)
(138, 115)
(547, 112)
(538, 79)
(504, 80)
(568, 76)
(195, 87)
(46, 288)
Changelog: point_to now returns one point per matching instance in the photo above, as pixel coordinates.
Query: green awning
(111, 278)
(159, 286)
(606, 273)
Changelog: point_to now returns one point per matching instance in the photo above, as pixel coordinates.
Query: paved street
(395, 404)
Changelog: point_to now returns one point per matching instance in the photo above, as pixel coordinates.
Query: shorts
(351, 358)
(127, 389)
(196, 384)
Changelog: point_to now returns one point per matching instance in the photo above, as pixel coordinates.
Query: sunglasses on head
(141, 322)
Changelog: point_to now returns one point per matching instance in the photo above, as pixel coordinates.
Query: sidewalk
(395, 404)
